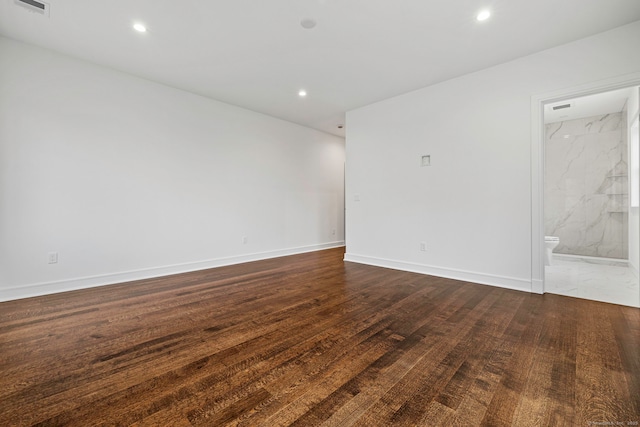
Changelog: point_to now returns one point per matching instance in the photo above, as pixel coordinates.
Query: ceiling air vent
(561, 107)
(34, 6)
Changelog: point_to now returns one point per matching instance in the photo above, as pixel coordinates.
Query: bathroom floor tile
(606, 283)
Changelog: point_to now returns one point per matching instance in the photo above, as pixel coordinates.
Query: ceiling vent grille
(561, 107)
(34, 6)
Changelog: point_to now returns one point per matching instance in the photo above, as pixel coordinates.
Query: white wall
(472, 207)
(126, 178)
(633, 105)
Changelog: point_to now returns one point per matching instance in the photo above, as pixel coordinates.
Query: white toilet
(550, 243)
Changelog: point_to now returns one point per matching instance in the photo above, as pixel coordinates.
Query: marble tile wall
(586, 186)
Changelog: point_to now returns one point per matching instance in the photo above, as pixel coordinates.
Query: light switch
(426, 160)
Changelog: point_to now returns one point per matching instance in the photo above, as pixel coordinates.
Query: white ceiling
(588, 106)
(255, 54)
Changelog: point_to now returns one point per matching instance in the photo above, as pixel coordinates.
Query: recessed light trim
(302, 93)
(141, 28)
(483, 15)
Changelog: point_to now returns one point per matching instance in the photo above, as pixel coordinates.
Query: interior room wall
(471, 208)
(586, 185)
(124, 178)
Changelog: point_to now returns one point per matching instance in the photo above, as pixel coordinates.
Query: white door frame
(537, 161)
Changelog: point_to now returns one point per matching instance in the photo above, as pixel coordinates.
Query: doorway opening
(585, 206)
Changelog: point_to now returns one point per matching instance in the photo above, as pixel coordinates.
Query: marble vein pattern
(586, 186)
(592, 280)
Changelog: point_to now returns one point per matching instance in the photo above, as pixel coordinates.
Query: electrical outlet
(333, 232)
(245, 240)
(423, 246)
(53, 257)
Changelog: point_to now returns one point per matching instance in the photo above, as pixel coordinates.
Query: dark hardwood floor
(308, 340)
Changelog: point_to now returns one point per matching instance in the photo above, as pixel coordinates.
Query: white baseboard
(467, 276)
(73, 284)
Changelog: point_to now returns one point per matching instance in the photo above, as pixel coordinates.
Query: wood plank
(546, 399)
(602, 392)
(309, 340)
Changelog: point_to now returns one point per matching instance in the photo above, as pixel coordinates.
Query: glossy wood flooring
(310, 340)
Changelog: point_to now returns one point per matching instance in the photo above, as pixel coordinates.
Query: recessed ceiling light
(307, 23)
(140, 28)
(302, 93)
(483, 15)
